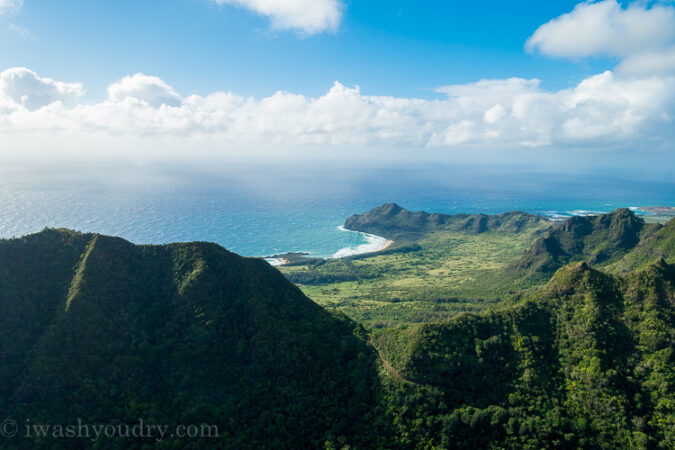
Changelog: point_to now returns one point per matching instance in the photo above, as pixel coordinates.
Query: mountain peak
(388, 208)
(575, 278)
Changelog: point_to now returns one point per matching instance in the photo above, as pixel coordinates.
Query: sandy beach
(276, 261)
(385, 246)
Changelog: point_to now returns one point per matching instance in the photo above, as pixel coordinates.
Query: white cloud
(20, 86)
(660, 62)
(642, 37)
(632, 106)
(10, 6)
(494, 114)
(307, 16)
(606, 110)
(605, 28)
(143, 88)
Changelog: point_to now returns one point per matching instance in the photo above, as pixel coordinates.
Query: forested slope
(97, 329)
(586, 361)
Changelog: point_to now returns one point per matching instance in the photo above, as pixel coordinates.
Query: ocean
(258, 210)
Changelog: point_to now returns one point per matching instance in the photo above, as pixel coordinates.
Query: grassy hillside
(585, 362)
(97, 329)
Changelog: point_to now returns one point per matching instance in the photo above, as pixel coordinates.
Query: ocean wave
(639, 212)
(576, 212)
(372, 244)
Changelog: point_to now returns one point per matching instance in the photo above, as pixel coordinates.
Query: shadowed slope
(597, 240)
(96, 328)
(660, 244)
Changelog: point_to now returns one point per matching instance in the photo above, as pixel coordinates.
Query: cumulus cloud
(604, 109)
(494, 114)
(649, 62)
(22, 87)
(642, 37)
(307, 16)
(10, 6)
(143, 88)
(632, 106)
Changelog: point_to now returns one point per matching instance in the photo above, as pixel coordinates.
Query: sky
(492, 79)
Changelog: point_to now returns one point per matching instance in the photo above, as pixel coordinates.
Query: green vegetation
(393, 222)
(434, 278)
(465, 346)
(439, 265)
(598, 240)
(442, 265)
(97, 329)
(585, 362)
(660, 244)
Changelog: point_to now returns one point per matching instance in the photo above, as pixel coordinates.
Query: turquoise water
(264, 211)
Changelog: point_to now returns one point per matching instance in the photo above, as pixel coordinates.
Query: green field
(444, 273)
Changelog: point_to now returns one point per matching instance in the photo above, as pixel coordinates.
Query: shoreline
(658, 214)
(283, 259)
(276, 262)
(373, 244)
(385, 246)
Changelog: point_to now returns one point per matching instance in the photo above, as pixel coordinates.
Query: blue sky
(463, 78)
(398, 48)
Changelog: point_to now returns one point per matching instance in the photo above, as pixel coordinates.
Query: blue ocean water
(258, 211)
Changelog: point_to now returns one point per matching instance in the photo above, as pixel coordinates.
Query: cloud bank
(603, 109)
(631, 107)
(306, 16)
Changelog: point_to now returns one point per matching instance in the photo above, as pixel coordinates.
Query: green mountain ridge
(598, 240)
(98, 329)
(658, 245)
(587, 362)
(394, 222)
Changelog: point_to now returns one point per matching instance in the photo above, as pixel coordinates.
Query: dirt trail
(387, 366)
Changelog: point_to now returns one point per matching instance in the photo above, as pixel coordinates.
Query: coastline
(373, 244)
(277, 261)
(650, 214)
(385, 246)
